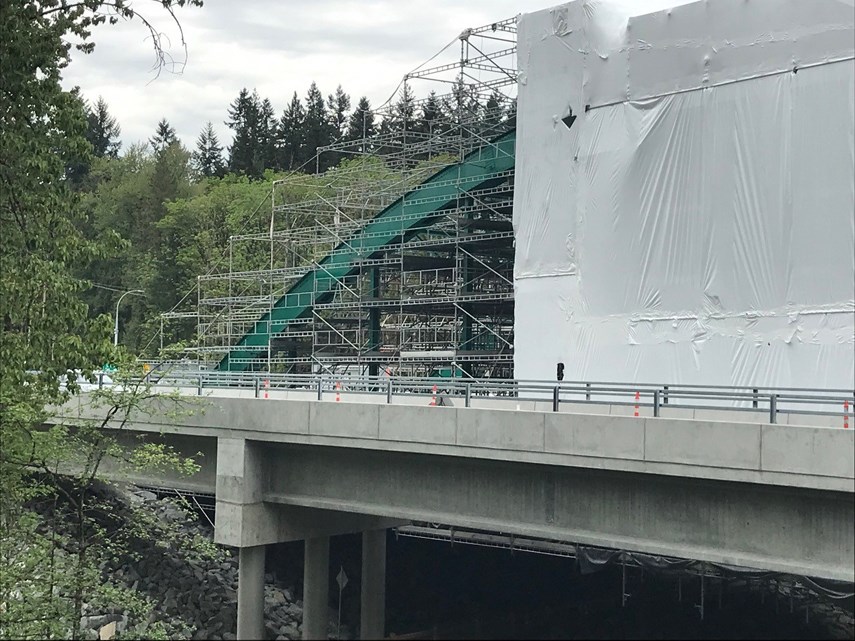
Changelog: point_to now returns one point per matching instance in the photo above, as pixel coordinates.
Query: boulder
(97, 621)
(107, 632)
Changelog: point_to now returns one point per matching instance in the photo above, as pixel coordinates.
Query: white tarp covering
(696, 222)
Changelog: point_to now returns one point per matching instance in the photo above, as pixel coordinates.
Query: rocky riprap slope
(195, 599)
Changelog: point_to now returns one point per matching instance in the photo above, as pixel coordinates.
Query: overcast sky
(275, 46)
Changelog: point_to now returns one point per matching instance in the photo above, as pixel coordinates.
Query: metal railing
(652, 399)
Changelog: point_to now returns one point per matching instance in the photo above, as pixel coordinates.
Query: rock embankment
(195, 598)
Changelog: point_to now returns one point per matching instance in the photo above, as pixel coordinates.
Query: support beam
(316, 587)
(373, 595)
(250, 596)
(374, 336)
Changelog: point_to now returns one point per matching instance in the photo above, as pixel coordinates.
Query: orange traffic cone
(433, 399)
(637, 396)
(338, 391)
(266, 387)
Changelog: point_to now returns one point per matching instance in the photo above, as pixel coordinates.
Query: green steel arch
(412, 211)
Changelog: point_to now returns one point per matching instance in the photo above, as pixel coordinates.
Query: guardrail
(638, 396)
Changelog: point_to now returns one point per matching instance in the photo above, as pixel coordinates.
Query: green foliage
(128, 198)
(103, 130)
(290, 136)
(243, 120)
(47, 241)
(83, 535)
(208, 157)
(47, 329)
(361, 122)
(317, 127)
(403, 113)
(157, 457)
(164, 137)
(338, 104)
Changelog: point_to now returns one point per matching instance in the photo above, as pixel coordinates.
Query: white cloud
(274, 47)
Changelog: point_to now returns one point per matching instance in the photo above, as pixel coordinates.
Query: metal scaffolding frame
(433, 296)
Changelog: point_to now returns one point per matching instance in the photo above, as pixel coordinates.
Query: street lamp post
(116, 324)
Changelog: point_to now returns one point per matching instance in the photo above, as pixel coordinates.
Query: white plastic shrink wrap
(695, 223)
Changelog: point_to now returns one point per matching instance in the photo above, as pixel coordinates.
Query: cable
(107, 287)
(403, 80)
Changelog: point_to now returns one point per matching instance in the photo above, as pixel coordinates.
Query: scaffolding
(398, 259)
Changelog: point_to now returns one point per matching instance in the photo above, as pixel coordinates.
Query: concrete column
(373, 595)
(250, 596)
(316, 588)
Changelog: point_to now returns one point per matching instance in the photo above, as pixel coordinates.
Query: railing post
(587, 391)
(665, 396)
(656, 403)
(320, 387)
(199, 388)
(555, 399)
(468, 401)
(773, 408)
(256, 386)
(389, 391)
(754, 402)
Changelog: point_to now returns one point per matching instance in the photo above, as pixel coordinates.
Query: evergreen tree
(403, 112)
(243, 119)
(338, 105)
(290, 138)
(163, 137)
(429, 119)
(170, 180)
(317, 125)
(208, 158)
(102, 130)
(264, 135)
(511, 113)
(400, 122)
(462, 105)
(494, 112)
(361, 121)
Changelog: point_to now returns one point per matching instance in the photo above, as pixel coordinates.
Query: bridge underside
(788, 530)
(302, 490)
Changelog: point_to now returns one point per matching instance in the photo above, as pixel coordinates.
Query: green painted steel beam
(412, 211)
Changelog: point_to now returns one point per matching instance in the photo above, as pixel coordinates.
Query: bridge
(757, 478)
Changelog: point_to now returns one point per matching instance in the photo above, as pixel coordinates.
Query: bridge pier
(316, 587)
(246, 521)
(373, 594)
(250, 593)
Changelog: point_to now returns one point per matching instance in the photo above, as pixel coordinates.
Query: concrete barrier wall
(659, 445)
(625, 408)
(818, 452)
